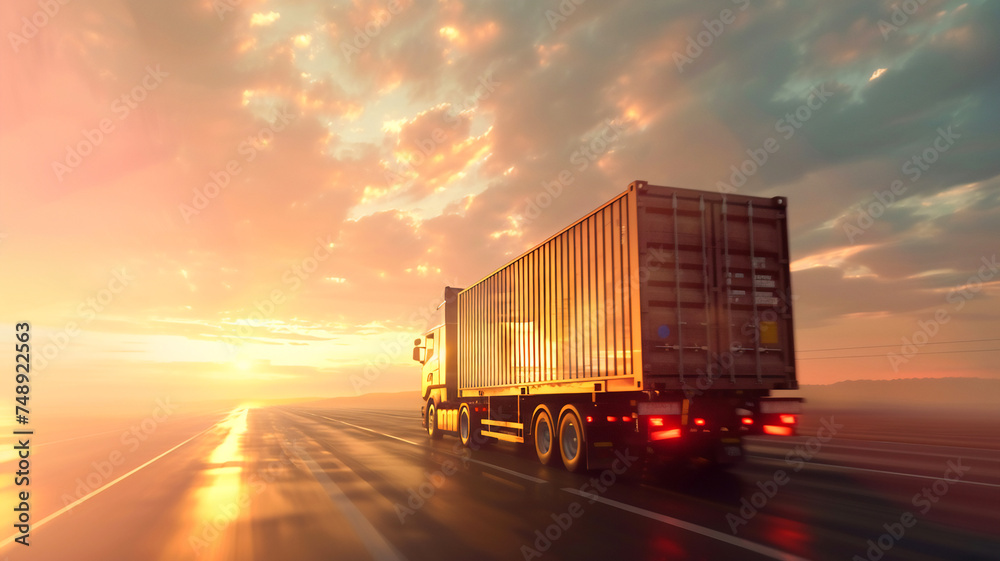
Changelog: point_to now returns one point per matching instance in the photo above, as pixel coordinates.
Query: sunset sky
(220, 198)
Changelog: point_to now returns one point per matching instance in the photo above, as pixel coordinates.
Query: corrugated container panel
(669, 286)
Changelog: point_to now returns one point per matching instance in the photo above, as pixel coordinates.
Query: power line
(882, 355)
(896, 344)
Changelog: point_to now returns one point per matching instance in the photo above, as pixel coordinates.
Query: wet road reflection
(285, 483)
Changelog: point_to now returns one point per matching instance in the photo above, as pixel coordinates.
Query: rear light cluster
(784, 429)
(611, 418)
(658, 430)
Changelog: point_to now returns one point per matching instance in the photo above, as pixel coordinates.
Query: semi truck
(660, 324)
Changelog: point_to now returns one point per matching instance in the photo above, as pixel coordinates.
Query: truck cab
(437, 352)
(428, 351)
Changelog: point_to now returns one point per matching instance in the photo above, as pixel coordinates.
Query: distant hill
(381, 400)
(930, 393)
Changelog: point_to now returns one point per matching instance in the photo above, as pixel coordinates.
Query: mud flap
(600, 456)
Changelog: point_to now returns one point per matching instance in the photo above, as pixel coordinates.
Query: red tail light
(777, 430)
(656, 421)
(665, 434)
(590, 419)
(747, 420)
(612, 418)
(626, 419)
(700, 422)
(788, 419)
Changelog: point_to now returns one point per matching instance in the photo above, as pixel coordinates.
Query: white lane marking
(929, 445)
(369, 430)
(504, 481)
(788, 447)
(373, 540)
(498, 468)
(834, 466)
(684, 525)
(505, 470)
(94, 493)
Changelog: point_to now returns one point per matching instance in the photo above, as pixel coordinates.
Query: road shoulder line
(691, 527)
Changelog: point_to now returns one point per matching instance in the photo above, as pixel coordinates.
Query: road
(297, 483)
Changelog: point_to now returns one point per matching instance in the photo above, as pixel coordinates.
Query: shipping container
(653, 290)
(661, 321)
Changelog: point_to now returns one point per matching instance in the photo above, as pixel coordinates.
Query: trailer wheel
(432, 428)
(544, 437)
(465, 430)
(571, 441)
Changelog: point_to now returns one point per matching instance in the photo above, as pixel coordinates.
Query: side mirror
(418, 354)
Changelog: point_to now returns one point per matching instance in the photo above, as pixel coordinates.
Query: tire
(571, 442)
(465, 431)
(432, 428)
(545, 438)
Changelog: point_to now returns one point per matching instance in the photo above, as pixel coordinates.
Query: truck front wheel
(465, 430)
(432, 425)
(544, 437)
(571, 441)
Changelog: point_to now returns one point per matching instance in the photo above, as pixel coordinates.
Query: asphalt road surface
(297, 483)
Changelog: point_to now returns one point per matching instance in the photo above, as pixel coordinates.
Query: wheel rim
(431, 419)
(464, 425)
(544, 435)
(570, 442)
